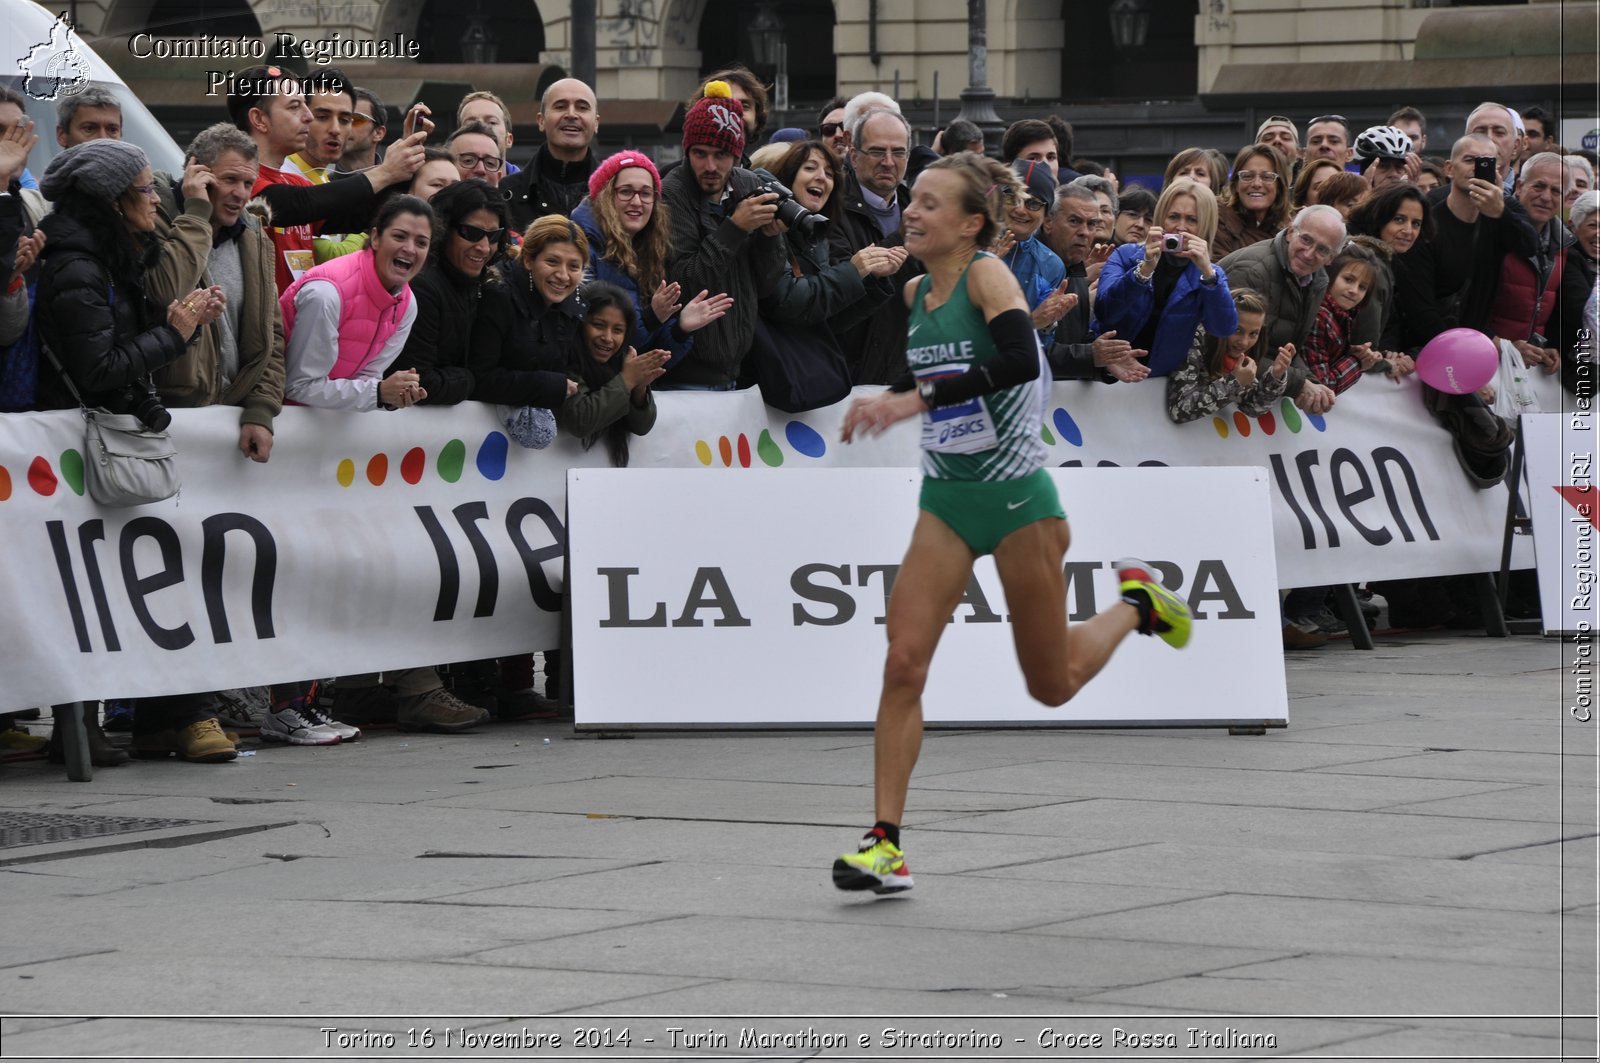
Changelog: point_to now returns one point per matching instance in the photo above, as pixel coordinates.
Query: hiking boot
(374, 704)
(203, 742)
(439, 711)
(1298, 637)
(475, 682)
(1168, 617)
(290, 725)
(526, 704)
(102, 753)
(878, 865)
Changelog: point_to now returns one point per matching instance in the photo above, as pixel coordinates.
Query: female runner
(979, 381)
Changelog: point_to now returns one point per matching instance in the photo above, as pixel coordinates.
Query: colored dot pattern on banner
(492, 455)
(413, 465)
(5, 483)
(1241, 424)
(72, 470)
(452, 459)
(1221, 426)
(1067, 428)
(41, 477)
(769, 451)
(377, 469)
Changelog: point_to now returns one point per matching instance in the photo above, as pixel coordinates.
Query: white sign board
(1564, 506)
(760, 600)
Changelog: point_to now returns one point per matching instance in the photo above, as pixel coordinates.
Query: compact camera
(1173, 242)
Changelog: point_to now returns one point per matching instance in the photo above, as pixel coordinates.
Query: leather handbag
(124, 463)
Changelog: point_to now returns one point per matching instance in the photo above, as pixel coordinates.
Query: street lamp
(1130, 23)
(769, 48)
(977, 99)
(478, 43)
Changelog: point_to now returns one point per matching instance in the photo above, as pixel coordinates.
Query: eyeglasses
(1034, 204)
(880, 154)
(1246, 176)
(1309, 243)
(470, 159)
(830, 129)
(147, 191)
(361, 121)
(472, 233)
(643, 195)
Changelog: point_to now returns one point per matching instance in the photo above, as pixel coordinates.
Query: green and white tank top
(992, 437)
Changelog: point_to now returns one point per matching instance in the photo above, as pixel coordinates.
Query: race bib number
(965, 428)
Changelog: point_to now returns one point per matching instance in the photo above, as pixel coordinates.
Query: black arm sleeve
(347, 202)
(1015, 361)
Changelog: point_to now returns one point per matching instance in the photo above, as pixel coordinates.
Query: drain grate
(38, 828)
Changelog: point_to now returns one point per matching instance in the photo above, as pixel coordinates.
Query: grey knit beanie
(100, 168)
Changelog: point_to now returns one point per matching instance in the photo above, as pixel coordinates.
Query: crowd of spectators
(307, 254)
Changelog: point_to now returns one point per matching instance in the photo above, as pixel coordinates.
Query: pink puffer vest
(368, 313)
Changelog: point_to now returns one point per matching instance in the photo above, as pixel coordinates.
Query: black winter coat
(532, 193)
(440, 345)
(520, 345)
(823, 293)
(875, 348)
(106, 342)
(711, 253)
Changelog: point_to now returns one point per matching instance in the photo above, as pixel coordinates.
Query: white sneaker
(346, 732)
(290, 725)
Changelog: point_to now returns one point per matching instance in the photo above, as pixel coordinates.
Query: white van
(53, 64)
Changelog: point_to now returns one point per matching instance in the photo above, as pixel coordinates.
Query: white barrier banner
(388, 540)
(1564, 508)
(761, 601)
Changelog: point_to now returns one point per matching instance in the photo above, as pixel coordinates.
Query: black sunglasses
(831, 129)
(472, 234)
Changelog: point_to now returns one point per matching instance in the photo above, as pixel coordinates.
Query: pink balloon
(1458, 361)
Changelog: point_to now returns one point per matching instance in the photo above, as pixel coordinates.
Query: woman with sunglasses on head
(1255, 204)
(95, 318)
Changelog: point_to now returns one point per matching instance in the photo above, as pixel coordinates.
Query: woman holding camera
(630, 234)
(816, 290)
(1156, 293)
(96, 322)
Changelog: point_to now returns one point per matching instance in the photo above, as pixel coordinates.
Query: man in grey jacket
(1288, 271)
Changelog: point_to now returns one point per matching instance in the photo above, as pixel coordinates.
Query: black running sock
(890, 832)
(1140, 600)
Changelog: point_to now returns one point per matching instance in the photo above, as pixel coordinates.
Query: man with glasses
(484, 106)
(1077, 353)
(476, 153)
(368, 126)
(557, 178)
(1503, 127)
(874, 194)
(1280, 133)
(1289, 270)
(1328, 137)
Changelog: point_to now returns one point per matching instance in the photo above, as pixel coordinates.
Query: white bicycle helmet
(1383, 142)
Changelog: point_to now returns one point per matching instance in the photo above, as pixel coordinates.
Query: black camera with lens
(145, 404)
(808, 224)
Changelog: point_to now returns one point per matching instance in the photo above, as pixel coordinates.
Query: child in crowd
(1332, 358)
(1220, 370)
(613, 397)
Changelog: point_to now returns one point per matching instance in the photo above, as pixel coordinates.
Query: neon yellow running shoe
(1169, 617)
(878, 866)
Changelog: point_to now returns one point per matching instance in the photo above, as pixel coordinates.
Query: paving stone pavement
(1408, 870)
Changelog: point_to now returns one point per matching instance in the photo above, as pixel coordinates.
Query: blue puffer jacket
(649, 334)
(1124, 303)
(1038, 270)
